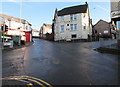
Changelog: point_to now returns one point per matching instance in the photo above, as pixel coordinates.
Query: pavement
(111, 49)
(17, 47)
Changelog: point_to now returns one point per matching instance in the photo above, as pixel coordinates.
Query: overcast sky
(38, 13)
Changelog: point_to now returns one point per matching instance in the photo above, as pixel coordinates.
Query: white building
(45, 28)
(72, 23)
(35, 33)
(19, 27)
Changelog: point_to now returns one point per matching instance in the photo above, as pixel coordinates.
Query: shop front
(115, 17)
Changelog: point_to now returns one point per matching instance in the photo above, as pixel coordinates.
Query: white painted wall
(13, 28)
(35, 33)
(80, 32)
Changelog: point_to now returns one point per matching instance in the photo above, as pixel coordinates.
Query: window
(74, 36)
(67, 24)
(62, 18)
(118, 24)
(84, 15)
(62, 27)
(71, 17)
(75, 26)
(71, 26)
(9, 24)
(84, 27)
(26, 27)
(75, 17)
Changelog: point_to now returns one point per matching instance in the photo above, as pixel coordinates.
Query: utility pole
(20, 20)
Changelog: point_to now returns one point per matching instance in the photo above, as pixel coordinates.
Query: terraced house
(72, 23)
(17, 26)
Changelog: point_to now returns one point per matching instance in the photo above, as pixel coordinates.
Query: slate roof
(14, 18)
(73, 10)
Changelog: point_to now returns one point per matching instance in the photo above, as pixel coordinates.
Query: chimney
(86, 3)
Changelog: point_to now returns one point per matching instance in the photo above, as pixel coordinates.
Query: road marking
(41, 81)
(30, 84)
(34, 81)
(29, 78)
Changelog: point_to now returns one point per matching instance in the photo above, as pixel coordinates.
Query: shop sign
(115, 14)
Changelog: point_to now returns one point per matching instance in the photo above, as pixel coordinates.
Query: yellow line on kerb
(41, 81)
(34, 81)
(27, 78)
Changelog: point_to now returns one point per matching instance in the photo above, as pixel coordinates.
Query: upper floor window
(73, 17)
(62, 18)
(84, 15)
(75, 26)
(62, 27)
(26, 27)
(71, 26)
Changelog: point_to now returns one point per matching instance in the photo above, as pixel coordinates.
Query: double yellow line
(29, 78)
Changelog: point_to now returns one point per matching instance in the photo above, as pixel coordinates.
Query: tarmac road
(63, 63)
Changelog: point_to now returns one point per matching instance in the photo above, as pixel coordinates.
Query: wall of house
(35, 33)
(47, 29)
(81, 21)
(102, 28)
(17, 28)
(115, 5)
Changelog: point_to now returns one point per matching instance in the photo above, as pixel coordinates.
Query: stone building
(72, 23)
(45, 31)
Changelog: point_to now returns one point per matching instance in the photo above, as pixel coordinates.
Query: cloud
(13, 1)
(102, 8)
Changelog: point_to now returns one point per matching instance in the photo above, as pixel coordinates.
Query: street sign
(115, 14)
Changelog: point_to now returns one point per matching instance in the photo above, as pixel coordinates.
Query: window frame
(62, 18)
(75, 17)
(71, 27)
(62, 28)
(75, 26)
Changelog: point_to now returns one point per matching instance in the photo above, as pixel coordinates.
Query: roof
(13, 18)
(47, 25)
(101, 21)
(73, 10)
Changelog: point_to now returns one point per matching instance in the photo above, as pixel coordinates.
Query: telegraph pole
(20, 20)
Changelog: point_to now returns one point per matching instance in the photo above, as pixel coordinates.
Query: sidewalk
(15, 82)
(17, 47)
(111, 49)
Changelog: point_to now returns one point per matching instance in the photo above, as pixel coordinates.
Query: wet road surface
(63, 63)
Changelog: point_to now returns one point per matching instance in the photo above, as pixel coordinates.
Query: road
(63, 63)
